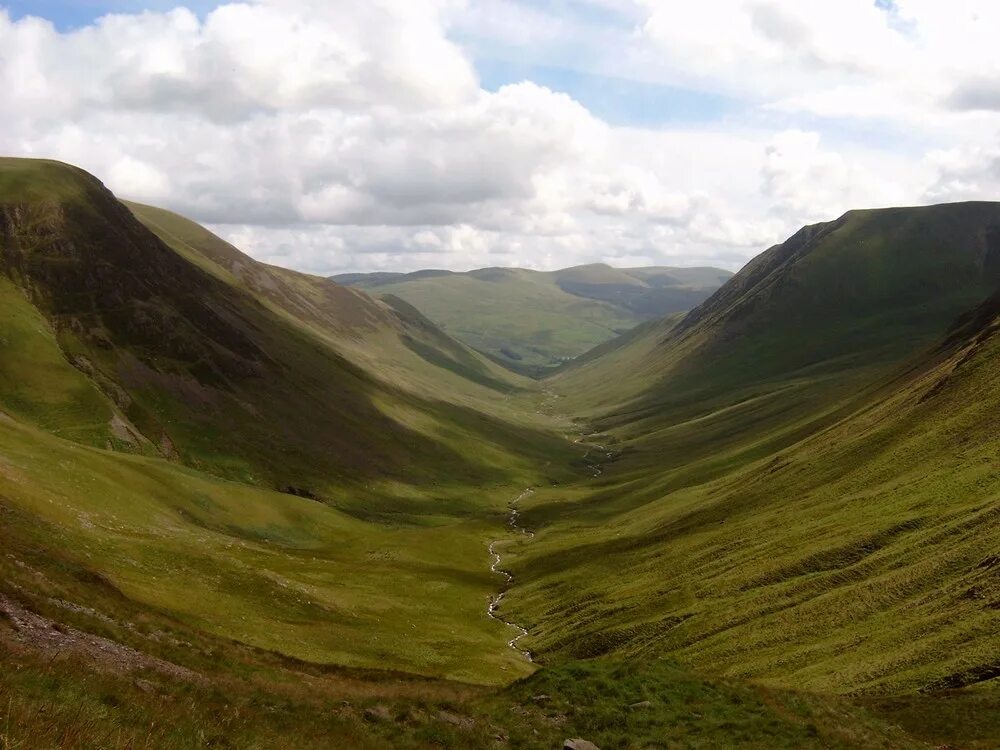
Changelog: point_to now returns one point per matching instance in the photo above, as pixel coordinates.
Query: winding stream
(513, 523)
(491, 610)
(595, 467)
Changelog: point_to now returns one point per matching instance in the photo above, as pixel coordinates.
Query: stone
(378, 713)
(145, 686)
(463, 722)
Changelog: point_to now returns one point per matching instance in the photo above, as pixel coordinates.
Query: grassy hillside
(245, 507)
(530, 319)
(792, 340)
(390, 339)
(267, 569)
(800, 489)
(252, 373)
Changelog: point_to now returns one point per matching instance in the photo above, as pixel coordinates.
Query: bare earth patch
(42, 634)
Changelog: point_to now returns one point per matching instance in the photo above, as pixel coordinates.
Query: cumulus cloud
(332, 135)
(804, 179)
(965, 173)
(887, 59)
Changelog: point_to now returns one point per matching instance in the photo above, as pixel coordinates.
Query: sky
(332, 135)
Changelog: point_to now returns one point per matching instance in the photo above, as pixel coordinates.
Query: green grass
(37, 382)
(792, 544)
(787, 506)
(302, 708)
(272, 570)
(648, 704)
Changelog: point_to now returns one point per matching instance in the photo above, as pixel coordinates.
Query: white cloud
(804, 179)
(138, 179)
(336, 135)
(911, 62)
(965, 173)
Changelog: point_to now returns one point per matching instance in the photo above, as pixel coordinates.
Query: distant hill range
(534, 319)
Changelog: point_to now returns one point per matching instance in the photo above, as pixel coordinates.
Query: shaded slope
(374, 334)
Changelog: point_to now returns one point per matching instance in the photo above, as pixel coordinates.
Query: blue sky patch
(72, 14)
(618, 101)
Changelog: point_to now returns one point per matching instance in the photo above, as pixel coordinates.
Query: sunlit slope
(791, 341)
(38, 384)
(187, 568)
(244, 377)
(529, 318)
(862, 558)
(272, 570)
(820, 516)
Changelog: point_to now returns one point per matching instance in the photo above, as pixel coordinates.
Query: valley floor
(95, 663)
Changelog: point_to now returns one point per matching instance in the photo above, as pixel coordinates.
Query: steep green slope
(793, 339)
(804, 492)
(537, 319)
(37, 384)
(391, 339)
(269, 377)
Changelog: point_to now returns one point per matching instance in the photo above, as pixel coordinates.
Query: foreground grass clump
(655, 704)
(65, 703)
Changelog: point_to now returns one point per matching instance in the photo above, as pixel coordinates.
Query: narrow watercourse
(513, 523)
(494, 605)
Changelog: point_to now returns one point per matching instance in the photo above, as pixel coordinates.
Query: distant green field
(530, 319)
